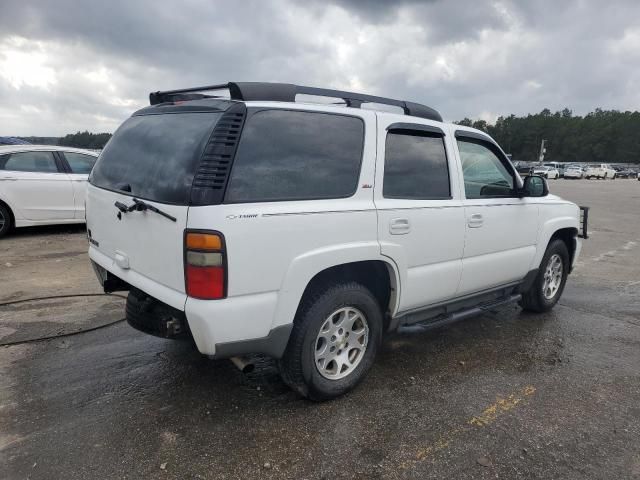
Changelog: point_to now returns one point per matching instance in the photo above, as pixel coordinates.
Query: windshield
(154, 157)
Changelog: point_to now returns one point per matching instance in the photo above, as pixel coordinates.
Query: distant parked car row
(42, 185)
(554, 170)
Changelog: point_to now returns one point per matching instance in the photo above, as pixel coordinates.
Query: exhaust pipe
(244, 365)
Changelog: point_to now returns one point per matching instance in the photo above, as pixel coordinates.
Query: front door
(36, 187)
(420, 213)
(500, 227)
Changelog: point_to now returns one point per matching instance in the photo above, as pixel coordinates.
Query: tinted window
(41, 162)
(79, 162)
(484, 174)
(155, 155)
(287, 155)
(415, 166)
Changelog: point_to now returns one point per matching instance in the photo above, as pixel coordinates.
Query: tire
(302, 367)
(5, 220)
(535, 299)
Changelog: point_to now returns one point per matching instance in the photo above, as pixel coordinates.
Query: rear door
(151, 158)
(79, 166)
(420, 213)
(36, 186)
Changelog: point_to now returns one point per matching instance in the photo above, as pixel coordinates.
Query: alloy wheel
(341, 343)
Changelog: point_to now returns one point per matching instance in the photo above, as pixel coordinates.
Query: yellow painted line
(502, 405)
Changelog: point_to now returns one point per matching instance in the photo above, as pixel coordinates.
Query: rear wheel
(5, 220)
(334, 341)
(550, 281)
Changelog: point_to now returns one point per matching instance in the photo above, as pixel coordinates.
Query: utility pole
(542, 151)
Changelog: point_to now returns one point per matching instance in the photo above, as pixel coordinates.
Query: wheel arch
(12, 215)
(562, 222)
(306, 273)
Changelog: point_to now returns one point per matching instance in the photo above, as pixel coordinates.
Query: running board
(447, 319)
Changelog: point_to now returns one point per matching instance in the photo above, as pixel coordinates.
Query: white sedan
(573, 172)
(546, 172)
(42, 185)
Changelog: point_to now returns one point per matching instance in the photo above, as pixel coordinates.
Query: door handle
(475, 220)
(9, 179)
(399, 226)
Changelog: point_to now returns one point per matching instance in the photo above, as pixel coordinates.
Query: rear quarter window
(293, 155)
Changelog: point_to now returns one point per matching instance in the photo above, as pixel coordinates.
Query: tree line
(86, 139)
(602, 136)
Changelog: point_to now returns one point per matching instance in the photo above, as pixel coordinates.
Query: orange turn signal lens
(203, 241)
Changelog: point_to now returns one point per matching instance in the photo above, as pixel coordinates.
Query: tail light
(205, 265)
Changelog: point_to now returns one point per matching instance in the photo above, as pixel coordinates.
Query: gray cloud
(70, 65)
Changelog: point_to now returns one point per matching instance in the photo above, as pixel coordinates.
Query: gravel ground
(504, 395)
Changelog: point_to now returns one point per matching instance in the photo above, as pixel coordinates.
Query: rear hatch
(152, 158)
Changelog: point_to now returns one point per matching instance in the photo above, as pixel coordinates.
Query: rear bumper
(220, 328)
(237, 325)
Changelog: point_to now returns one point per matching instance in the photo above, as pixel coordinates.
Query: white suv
(308, 232)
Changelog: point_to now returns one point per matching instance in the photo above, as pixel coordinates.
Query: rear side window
(79, 162)
(38, 162)
(415, 166)
(154, 157)
(291, 155)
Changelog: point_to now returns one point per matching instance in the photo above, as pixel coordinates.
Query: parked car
(574, 172)
(523, 168)
(560, 167)
(602, 171)
(309, 232)
(624, 173)
(546, 172)
(42, 185)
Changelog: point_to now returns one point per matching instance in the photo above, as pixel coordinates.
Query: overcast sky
(70, 65)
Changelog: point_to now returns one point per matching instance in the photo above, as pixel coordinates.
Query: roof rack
(286, 92)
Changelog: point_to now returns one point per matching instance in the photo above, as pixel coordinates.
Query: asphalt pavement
(505, 395)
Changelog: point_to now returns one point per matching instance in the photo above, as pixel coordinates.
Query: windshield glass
(154, 157)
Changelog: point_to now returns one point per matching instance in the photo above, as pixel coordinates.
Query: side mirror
(534, 186)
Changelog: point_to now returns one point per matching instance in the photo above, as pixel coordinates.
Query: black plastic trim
(61, 162)
(527, 283)
(286, 92)
(273, 344)
(416, 126)
(214, 169)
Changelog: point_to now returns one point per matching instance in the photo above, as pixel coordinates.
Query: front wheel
(334, 341)
(549, 284)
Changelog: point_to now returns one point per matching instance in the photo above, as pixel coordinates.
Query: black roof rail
(286, 92)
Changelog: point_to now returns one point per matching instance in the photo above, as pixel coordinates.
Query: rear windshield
(154, 157)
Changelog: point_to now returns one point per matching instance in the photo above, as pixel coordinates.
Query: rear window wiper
(140, 206)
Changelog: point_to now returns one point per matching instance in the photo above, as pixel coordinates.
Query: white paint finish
(38, 196)
(172, 297)
(429, 250)
(230, 320)
(153, 244)
(79, 183)
(280, 246)
(603, 170)
(434, 250)
(555, 214)
(43, 198)
(500, 250)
